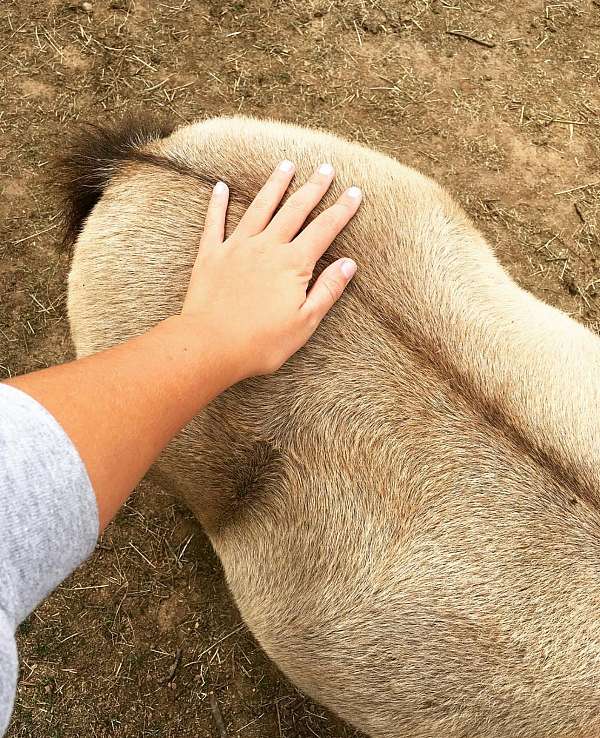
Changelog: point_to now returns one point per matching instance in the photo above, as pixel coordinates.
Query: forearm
(121, 407)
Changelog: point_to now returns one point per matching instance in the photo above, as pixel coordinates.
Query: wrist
(205, 345)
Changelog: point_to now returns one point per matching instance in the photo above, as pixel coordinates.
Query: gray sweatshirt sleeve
(48, 520)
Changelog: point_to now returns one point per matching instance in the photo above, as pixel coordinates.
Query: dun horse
(408, 512)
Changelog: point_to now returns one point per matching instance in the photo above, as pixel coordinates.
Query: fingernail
(348, 268)
(326, 169)
(286, 166)
(354, 192)
(220, 188)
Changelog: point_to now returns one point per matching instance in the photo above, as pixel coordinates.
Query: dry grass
(498, 101)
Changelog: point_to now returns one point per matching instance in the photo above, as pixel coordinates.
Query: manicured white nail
(286, 166)
(354, 192)
(220, 188)
(348, 268)
(326, 169)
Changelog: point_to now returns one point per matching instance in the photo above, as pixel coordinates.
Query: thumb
(328, 289)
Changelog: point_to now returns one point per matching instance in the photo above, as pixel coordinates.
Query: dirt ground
(144, 640)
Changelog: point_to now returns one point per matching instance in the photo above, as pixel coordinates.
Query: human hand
(250, 291)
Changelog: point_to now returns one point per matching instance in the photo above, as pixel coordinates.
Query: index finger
(318, 235)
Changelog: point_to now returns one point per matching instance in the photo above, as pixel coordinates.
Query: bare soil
(145, 640)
